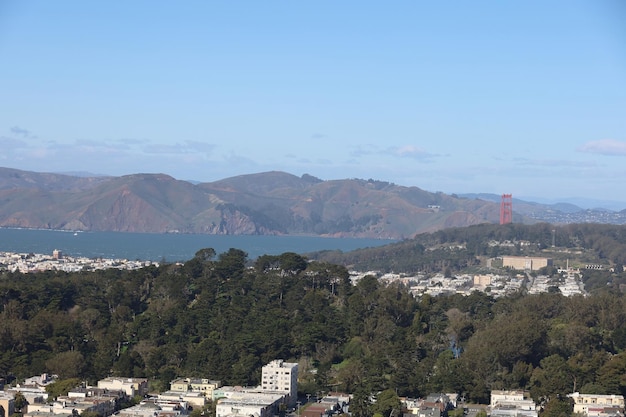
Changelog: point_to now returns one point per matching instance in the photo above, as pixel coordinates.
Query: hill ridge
(272, 202)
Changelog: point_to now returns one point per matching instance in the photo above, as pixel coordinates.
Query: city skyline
(525, 98)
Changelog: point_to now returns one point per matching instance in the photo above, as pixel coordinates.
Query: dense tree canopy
(217, 317)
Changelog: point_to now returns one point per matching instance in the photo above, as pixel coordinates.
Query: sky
(520, 97)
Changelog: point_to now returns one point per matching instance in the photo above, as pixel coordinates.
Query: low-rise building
(153, 408)
(597, 404)
(193, 399)
(201, 385)
(131, 386)
(7, 404)
(512, 404)
(249, 404)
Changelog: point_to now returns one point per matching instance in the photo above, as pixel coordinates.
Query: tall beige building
(525, 263)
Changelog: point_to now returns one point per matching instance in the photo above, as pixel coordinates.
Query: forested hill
(215, 318)
(465, 247)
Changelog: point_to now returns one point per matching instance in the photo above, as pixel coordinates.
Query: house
(316, 410)
(597, 404)
(7, 404)
(131, 386)
(194, 399)
(512, 404)
(439, 401)
(204, 386)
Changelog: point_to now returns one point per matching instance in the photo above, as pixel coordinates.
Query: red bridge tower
(506, 209)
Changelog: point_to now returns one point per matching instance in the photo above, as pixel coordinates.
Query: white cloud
(188, 146)
(610, 147)
(405, 151)
(409, 151)
(364, 150)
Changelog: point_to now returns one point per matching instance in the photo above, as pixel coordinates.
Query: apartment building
(597, 404)
(280, 376)
(131, 386)
(201, 385)
(525, 263)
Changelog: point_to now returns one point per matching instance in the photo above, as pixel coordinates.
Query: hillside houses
(494, 284)
(186, 394)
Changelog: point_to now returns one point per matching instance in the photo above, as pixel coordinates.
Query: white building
(131, 386)
(249, 404)
(194, 399)
(596, 404)
(282, 377)
(512, 404)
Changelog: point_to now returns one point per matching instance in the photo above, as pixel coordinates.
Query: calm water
(171, 247)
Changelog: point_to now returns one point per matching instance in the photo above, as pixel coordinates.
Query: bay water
(166, 247)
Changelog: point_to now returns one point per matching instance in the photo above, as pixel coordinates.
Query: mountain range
(274, 203)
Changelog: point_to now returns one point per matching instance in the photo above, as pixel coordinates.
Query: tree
(231, 264)
(386, 402)
(61, 387)
(292, 262)
(360, 405)
(67, 364)
(553, 379)
(612, 375)
(205, 255)
(558, 407)
(20, 402)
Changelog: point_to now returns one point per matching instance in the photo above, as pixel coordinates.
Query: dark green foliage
(61, 387)
(455, 249)
(215, 317)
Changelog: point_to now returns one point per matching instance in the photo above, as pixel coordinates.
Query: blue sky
(522, 97)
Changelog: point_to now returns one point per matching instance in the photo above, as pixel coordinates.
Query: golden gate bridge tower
(506, 209)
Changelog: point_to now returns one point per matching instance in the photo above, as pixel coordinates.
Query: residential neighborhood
(277, 395)
(525, 279)
(57, 261)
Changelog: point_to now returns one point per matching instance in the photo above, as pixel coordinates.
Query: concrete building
(7, 404)
(193, 399)
(153, 409)
(249, 404)
(520, 399)
(525, 263)
(512, 404)
(596, 404)
(482, 281)
(131, 386)
(200, 385)
(282, 377)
